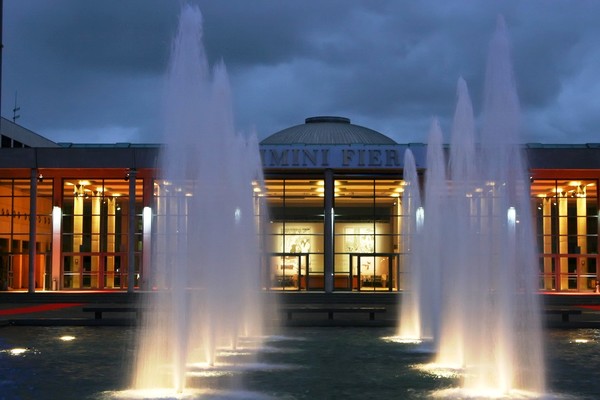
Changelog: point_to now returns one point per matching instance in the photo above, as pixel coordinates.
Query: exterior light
(511, 215)
(420, 214)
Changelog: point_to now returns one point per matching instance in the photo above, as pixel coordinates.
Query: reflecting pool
(298, 363)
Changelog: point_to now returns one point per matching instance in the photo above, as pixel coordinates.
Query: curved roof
(327, 130)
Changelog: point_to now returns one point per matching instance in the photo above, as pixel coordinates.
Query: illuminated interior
(322, 227)
(81, 232)
(367, 224)
(567, 233)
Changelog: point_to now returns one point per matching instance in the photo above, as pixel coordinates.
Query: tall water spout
(412, 212)
(205, 261)
(432, 245)
(492, 323)
(456, 309)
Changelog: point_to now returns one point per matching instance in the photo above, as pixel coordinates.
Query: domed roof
(327, 130)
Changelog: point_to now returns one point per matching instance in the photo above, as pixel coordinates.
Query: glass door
(289, 271)
(373, 272)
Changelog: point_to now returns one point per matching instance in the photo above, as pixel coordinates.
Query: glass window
(294, 234)
(368, 221)
(566, 212)
(95, 232)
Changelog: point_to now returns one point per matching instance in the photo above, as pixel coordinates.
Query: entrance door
(373, 272)
(289, 271)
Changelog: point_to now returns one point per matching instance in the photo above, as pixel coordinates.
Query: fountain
(410, 330)
(478, 249)
(204, 275)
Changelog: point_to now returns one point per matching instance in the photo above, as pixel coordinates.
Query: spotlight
(128, 173)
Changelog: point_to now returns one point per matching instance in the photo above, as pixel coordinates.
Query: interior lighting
(67, 338)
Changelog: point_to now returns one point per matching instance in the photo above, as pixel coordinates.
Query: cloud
(390, 65)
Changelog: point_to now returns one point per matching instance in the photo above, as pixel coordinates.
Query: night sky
(92, 71)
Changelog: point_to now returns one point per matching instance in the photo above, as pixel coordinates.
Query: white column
(77, 234)
(131, 233)
(563, 245)
(32, 230)
(109, 277)
(547, 241)
(581, 236)
(147, 246)
(95, 237)
(56, 248)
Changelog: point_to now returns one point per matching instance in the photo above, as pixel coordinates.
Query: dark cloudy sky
(92, 70)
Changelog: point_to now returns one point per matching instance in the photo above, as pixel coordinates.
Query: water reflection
(309, 363)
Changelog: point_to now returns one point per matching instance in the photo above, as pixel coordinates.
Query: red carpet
(38, 308)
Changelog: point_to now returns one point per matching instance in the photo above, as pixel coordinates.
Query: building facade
(79, 217)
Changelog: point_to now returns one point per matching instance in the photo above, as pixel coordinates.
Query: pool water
(296, 363)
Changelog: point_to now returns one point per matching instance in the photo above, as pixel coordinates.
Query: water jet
(205, 258)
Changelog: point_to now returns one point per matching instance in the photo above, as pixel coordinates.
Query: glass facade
(366, 233)
(16, 221)
(79, 228)
(567, 221)
(322, 228)
(294, 235)
(95, 241)
(367, 224)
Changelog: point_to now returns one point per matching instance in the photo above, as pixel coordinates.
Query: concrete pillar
(109, 277)
(328, 230)
(563, 245)
(547, 241)
(95, 239)
(581, 236)
(32, 228)
(131, 233)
